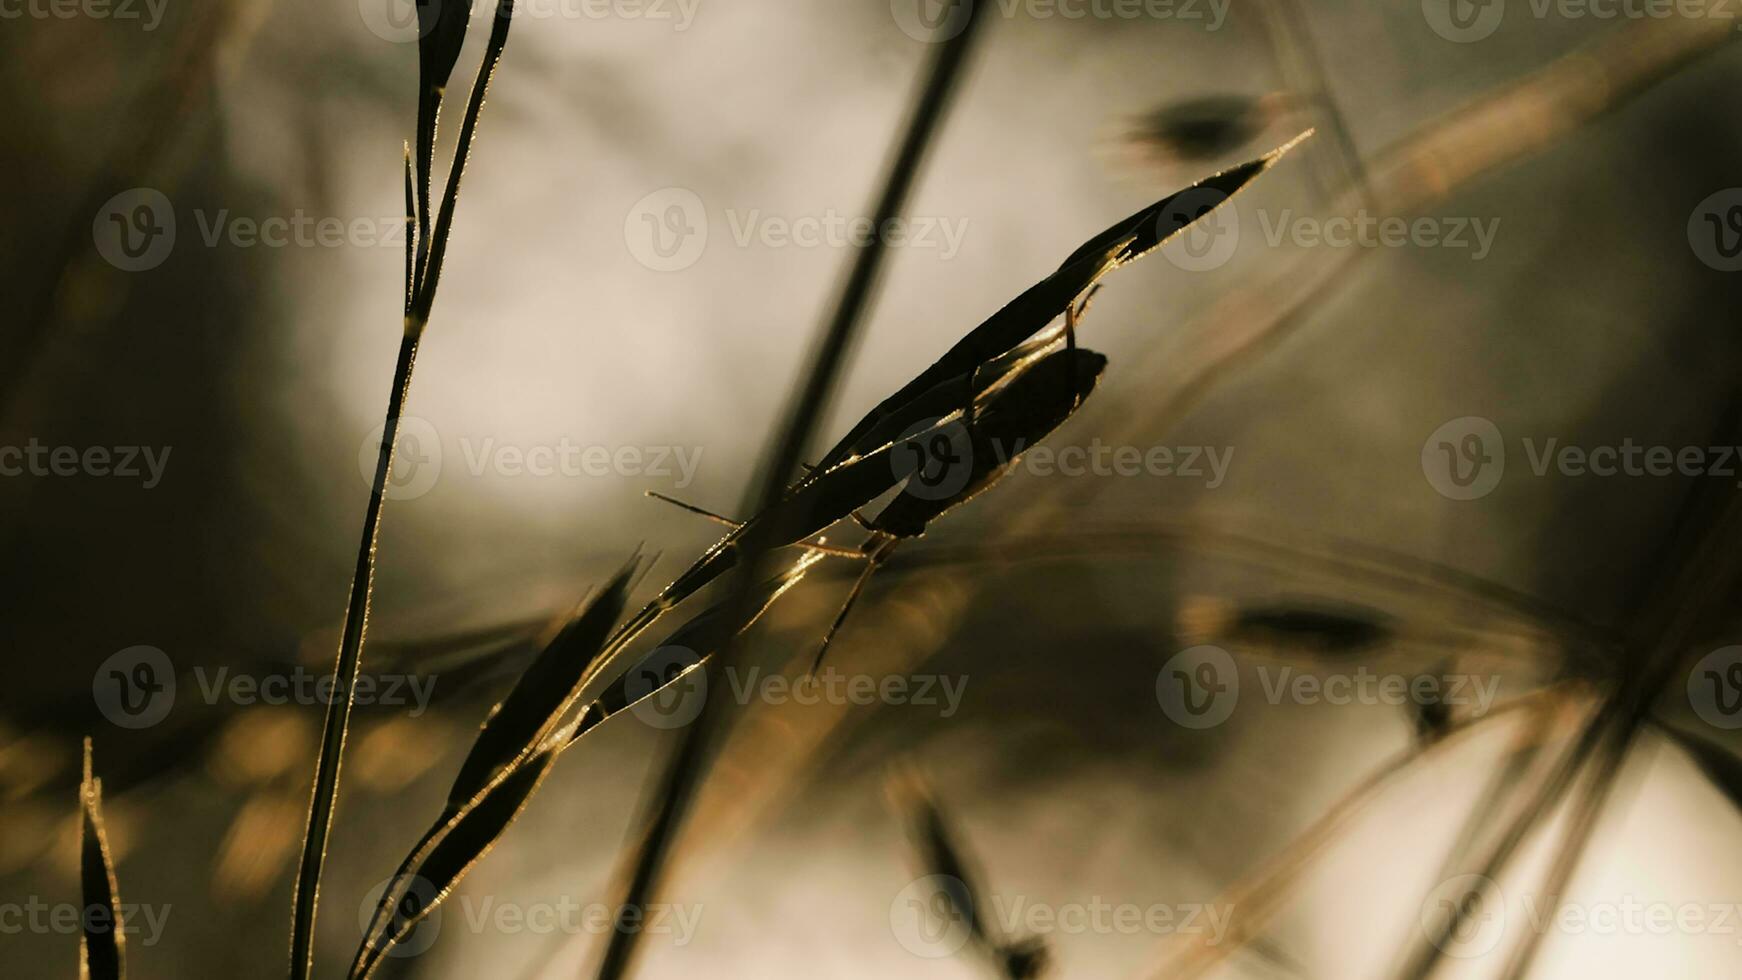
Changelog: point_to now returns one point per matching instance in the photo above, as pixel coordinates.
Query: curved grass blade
(1259, 895)
(518, 725)
(533, 708)
(467, 832)
(102, 945)
(1027, 314)
(431, 267)
(936, 842)
(441, 30)
(701, 637)
(467, 839)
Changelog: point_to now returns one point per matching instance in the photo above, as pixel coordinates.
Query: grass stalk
(676, 785)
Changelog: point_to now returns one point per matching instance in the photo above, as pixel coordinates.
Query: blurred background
(204, 275)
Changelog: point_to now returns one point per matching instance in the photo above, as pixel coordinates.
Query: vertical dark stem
(326, 785)
(677, 784)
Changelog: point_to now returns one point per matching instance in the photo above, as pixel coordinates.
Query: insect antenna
(692, 508)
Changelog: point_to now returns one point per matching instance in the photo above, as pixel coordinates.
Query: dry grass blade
(470, 826)
(102, 945)
(1587, 808)
(517, 726)
(1718, 763)
(699, 639)
(1260, 895)
(534, 707)
(413, 233)
(430, 270)
(441, 29)
(942, 859)
(466, 840)
(1028, 314)
(1686, 595)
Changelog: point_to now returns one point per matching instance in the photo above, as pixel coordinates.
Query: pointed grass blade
(534, 707)
(102, 953)
(1029, 313)
(465, 840)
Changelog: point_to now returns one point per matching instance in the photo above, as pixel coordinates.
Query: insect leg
(874, 557)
